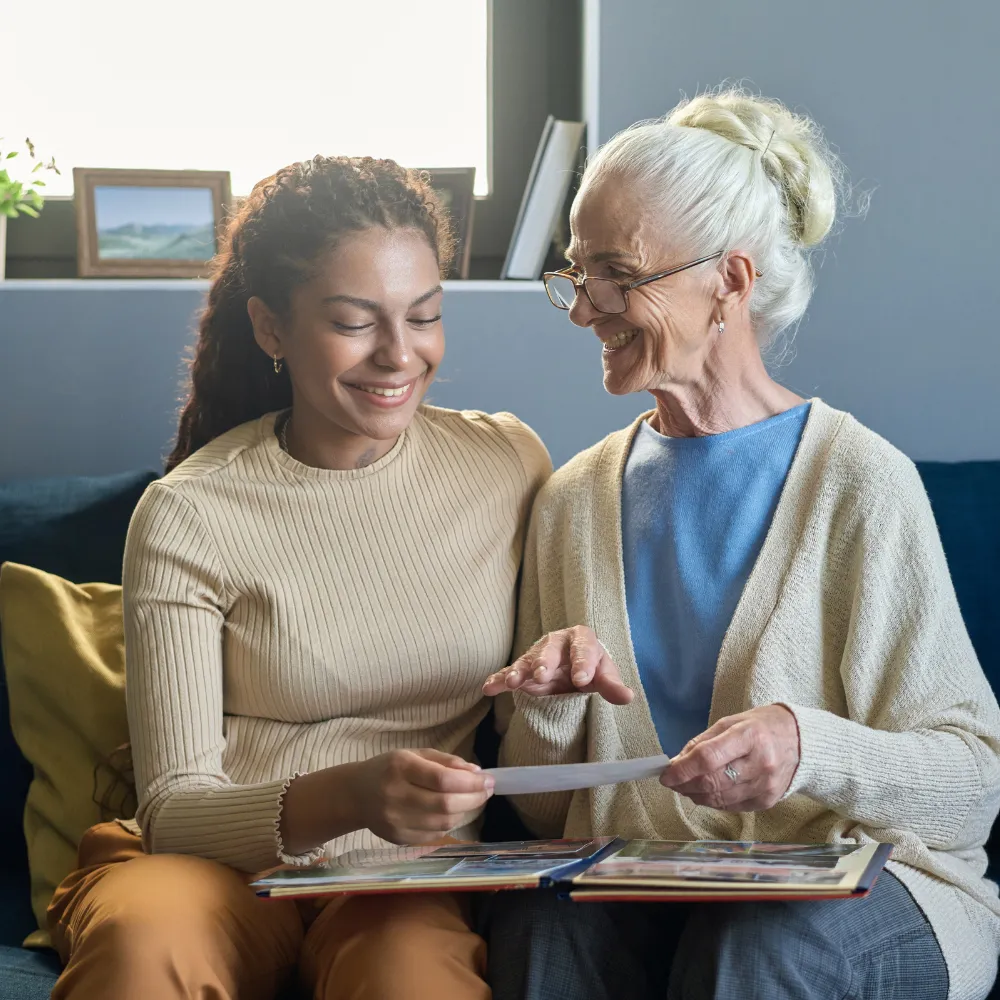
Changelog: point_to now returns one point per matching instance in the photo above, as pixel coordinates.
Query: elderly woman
(750, 581)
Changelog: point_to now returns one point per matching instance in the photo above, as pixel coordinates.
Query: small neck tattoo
(365, 459)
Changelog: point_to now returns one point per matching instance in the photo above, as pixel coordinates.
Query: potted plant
(19, 197)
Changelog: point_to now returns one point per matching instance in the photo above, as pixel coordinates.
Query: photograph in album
(600, 868)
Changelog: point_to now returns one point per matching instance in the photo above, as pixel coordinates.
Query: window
(248, 87)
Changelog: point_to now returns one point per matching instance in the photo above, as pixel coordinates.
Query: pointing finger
(497, 683)
(585, 652)
(609, 685)
(549, 654)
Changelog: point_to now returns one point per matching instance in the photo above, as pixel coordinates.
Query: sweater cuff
(552, 717)
(824, 752)
(237, 825)
(299, 860)
(555, 709)
(545, 730)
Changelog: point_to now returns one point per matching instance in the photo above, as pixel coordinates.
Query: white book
(544, 196)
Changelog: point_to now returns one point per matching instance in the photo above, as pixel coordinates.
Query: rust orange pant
(131, 925)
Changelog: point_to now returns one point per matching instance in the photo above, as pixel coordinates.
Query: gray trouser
(877, 948)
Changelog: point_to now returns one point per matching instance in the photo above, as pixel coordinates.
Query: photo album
(602, 868)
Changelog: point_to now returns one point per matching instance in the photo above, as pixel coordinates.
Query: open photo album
(602, 869)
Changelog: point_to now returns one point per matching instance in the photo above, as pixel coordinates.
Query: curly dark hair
(271, 245)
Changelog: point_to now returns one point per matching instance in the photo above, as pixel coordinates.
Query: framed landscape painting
(148, 223)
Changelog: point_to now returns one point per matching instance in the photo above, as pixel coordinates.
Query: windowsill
(201, 284)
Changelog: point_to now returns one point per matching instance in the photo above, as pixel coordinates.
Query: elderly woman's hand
(563, 662)
(744, 763)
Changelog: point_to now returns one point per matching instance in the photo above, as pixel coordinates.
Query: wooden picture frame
(455, 185)
(123, 227)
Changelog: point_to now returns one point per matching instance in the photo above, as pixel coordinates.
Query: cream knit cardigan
(849, 618)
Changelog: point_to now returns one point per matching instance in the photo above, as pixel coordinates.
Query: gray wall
(90, 375)
(902, 330)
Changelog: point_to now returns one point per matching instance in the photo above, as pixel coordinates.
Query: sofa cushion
(16, 919)
(965, 498)
(27, 975)
(64, 650)
(73, 527)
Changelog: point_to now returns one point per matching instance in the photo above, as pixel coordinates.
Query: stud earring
(278, 365)
(722, 327)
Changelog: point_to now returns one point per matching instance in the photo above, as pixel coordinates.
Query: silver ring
(732, 773)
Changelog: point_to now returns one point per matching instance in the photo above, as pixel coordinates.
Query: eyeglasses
(606, 295)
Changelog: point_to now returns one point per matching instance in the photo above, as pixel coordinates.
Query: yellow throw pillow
(65, 657)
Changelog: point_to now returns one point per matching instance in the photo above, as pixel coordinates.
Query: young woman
(313, 594)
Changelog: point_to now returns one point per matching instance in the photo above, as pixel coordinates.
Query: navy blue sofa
(76, 529)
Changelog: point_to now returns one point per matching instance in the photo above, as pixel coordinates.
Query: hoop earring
(722, 326)
(278, 365)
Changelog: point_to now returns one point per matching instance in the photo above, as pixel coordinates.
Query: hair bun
(793, 152)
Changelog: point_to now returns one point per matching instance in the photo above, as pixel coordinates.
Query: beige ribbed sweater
(281, 618)
(849, 618)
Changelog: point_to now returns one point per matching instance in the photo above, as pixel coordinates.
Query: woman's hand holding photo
(403, 796)
(417, 796)
(570, 660)
(744, 763)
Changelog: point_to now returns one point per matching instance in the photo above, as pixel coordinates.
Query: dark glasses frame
(623, 286)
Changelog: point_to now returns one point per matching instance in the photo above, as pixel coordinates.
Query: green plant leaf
(10, 156)
(38, 166)
(39, 183)
(9, 210)
(29, 211)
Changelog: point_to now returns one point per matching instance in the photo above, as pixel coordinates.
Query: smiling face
(670, 328)
(363, 339)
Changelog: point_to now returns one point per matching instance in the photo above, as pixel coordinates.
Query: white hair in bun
(728, 170)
